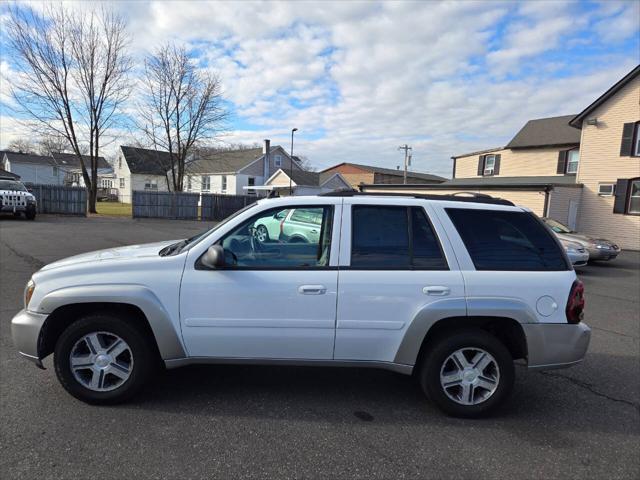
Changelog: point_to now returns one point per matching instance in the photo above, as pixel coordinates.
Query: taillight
(575, 303)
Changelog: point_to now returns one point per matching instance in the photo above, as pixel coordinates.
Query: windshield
(180, 246)
(12, 185)
(557, 226)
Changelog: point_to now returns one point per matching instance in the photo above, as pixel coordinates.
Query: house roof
(29, 158)
(479, 152)
(231, 161)
(315, 179)
(146, 161)
(389, 171)
(8, 175)
(71, 160)
(546, 132)
(497, 182)
(577, 120)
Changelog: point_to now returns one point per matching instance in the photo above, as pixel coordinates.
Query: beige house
(300, 182)
(609, 168)
(582, 170)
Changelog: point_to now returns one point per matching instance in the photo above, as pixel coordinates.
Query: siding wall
(534, 162)
(39, 174)
(560, 200)
(600, 162)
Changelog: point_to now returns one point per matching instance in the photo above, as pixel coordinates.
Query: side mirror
(213, 257)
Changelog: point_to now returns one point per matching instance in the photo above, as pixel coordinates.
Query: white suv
(451, 290)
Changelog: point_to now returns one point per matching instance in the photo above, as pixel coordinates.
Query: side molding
(167, 339)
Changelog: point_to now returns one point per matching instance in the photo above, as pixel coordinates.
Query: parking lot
(289, 422)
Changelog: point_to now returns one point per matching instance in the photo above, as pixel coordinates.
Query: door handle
(312, 289)
(436, 290)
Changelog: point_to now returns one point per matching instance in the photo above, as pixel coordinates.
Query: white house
(68, 165)
(235, 172)
(306, 183)
(140, 169)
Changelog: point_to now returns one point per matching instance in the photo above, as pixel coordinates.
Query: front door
(393, 267)
(276, 296)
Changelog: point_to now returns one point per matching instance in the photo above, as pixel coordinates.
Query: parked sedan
(598, 248)
(578, 255)
(300, 225)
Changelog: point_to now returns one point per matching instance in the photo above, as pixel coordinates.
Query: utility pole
(407, 160)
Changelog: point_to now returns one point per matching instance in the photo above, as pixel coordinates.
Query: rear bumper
(556, 345)
(25, 330)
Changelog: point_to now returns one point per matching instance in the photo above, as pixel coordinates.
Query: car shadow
(354, 395)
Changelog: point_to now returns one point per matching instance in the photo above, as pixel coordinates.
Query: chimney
(266, 149)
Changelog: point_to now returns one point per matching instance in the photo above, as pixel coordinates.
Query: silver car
(598, 248)
(578, 255)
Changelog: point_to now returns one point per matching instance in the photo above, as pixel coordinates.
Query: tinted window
(499, 240)
(380, 237)
(383, 237)
(272, 239)
(426, 248)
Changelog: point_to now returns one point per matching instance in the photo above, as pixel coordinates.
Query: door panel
(258, 314)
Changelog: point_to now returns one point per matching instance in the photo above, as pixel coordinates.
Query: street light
(291, 163)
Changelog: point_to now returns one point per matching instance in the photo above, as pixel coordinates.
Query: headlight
(28, 292)
(603, 246)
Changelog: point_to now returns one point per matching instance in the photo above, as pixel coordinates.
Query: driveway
(288, 422)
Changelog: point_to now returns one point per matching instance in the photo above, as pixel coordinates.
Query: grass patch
(114, 209)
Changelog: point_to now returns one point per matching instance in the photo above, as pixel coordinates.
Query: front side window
(489, 164)
(224, 183)
(396, 238)
(122, 183)
(205, 183)
(278, 160)
(281, 238)
(507, 240)
(634, 198)
(573, 157)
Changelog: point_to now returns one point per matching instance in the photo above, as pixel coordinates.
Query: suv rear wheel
(467, 373)
(102, 359)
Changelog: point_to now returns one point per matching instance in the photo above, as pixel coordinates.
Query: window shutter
(562, 162)
(626, 146)
(481, 165)
(496, 165)
(620, 203)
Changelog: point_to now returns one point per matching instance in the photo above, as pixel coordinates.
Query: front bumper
(16, 208)
(25, 330)
(603, 254)
(556, 345)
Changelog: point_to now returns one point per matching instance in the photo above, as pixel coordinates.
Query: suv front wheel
(102, 359)
(467, 373)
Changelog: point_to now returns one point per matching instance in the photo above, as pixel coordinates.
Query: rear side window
(508, 241)
(394, 238)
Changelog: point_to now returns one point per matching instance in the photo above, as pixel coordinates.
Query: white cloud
(360, 78)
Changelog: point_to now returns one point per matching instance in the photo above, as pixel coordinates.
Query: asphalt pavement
(290, 422)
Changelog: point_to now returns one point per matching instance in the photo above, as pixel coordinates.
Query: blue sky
(360, 78)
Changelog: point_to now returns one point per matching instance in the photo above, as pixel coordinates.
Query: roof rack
(456, 197)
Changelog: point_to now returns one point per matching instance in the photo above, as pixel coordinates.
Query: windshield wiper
(173, 248)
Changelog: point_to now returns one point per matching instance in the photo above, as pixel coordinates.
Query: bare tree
(181, 107)
(49, 144)
(305, 164)
(71, 77)
(21, 145)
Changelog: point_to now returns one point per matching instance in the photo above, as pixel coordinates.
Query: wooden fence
(59, 199)
(176, 205)
(218, 207)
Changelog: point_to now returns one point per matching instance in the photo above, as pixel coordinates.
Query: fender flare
(166, 336)
(432, 313)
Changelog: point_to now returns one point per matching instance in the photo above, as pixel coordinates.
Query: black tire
(446, 345)
(261, 230)
(143, 358)
(30, 214)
